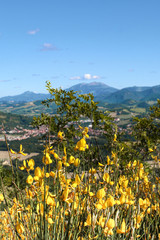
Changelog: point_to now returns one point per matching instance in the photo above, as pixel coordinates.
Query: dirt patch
(4, 157)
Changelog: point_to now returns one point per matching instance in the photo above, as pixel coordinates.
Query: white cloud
(49, 47)
(33, 32)
(86, 76)
(96, 77)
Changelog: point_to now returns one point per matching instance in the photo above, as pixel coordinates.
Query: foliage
(72, 109)
(72, 196)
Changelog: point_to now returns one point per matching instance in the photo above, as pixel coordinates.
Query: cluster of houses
(19, 133)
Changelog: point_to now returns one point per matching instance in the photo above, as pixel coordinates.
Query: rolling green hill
(10, 120)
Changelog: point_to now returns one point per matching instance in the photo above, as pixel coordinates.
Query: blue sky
(67, 42)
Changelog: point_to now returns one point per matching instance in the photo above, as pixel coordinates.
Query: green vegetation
(11, 121)
(92, 183)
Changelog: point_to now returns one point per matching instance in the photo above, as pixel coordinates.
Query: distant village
(19, 133)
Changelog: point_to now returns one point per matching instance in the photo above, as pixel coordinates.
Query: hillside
(24, 104)
(11, 121)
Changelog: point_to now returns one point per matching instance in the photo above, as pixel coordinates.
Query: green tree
(74, 109)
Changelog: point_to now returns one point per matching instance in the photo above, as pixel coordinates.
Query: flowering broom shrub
(63, 200)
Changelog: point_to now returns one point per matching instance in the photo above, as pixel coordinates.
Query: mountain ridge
(101, 91)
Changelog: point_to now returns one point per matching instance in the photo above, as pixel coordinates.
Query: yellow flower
(20, 228)
(24, 166)
(85, 131)
(88, 221)
(59, 165)
(50, 221)
(92, 171)
(54, 154)
(13, 152)
(29, 179)
(110, 201)
(38, 172)
(52, 174)
(46, 159)
(50, 201)
(106, 177)
(109, 226)
(150, 149)
(65, 193)
(81, 145)
(122, 198)
(100, 164)
(40, 208)
(21, 151)
(115, 138)
(76, 162)
(77, 181)
(1, 197)
(47, 175)
(101, 221)
(71, 160)
(60, 135)
(31, 164)
(144, 203)
(100, 193)
(111, 223)
(123, 228)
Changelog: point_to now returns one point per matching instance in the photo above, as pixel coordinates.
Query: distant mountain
(136, 89)
(97, 88)
(134, 93)
(101, 92)
(25, 97)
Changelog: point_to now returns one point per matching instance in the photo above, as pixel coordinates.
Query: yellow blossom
(1, 197)
(40, 208)
(81, 145)
(20, 228)
(46, 159)
(115, 138)
(71, 160)
(13, 152)
(38, 172)
(106, 177)
(111, 223)
(110, 201)
(50, 221)
(100, 193)
(88, 221)
(50, 201)
(101, 221)
(31, 164)
(76, 162)
(85, 131)
(21, 151)
(65, 193)
(59, 165)
(60, 135)
(29, 179)
(52, 174)
(123, 228)
(92, 171)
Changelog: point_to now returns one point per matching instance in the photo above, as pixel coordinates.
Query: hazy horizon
(46, 92)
